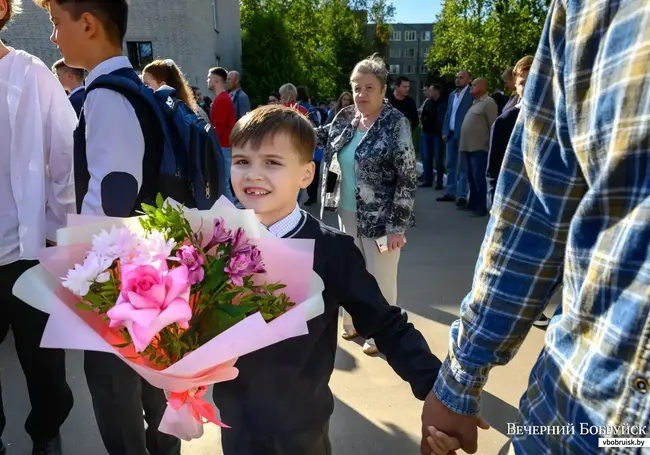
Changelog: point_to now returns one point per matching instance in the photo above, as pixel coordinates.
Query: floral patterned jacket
(386, 178)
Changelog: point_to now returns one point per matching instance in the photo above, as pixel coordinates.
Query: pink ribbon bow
(201, 410)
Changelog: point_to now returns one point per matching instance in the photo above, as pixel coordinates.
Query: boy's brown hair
(60, 65)
(113, 14)
(266, 122)
(13, 8)
(523, 66)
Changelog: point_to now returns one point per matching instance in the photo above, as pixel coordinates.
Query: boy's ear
(91, 25)
(310, 170)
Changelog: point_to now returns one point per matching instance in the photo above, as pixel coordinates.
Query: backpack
(312, 112)
(191, 161)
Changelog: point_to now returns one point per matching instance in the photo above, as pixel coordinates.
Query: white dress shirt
(36, 149)
(286, 224)
(456, 99)
(114, 140)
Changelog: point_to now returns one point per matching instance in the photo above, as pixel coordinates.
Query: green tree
(306, 42)
(381, 13)
(485, 36)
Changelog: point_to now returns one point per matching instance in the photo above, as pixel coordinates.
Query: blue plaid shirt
(572, 207)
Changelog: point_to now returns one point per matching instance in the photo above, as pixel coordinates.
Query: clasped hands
(444, 431)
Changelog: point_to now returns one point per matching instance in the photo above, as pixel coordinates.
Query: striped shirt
(572, 206)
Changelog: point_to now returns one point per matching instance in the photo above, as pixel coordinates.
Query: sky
(416, 11)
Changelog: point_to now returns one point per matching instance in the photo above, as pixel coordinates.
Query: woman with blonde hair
(368, 176)
(160, 73)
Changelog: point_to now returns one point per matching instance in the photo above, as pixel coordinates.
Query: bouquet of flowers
(179, 295)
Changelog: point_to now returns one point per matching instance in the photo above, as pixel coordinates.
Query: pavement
(375, 412)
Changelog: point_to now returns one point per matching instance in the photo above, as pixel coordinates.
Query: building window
(394, 69)
(395, 53)
(424, 69)
(140, 53)
(425, 52)
(426, 36)
(395, 36)
(215, 22)
(409, 69)
(410, 35)
(409, 53)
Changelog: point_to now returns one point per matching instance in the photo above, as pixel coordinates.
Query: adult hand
(463, 427)
(442, 444)
(395, 242)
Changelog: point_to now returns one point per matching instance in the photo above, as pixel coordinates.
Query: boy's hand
(442, 444)
(395, 242)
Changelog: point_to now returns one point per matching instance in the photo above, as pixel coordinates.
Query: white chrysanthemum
(119, 243)
(84, 275)
(156, 246)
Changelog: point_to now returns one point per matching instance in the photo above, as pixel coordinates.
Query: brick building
(196, 34)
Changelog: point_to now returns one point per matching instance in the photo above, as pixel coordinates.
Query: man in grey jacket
(239, 98)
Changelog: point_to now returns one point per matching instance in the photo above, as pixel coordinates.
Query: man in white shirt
(115, 168)
(36, 193)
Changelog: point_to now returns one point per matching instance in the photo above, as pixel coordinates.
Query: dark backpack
(191, 161)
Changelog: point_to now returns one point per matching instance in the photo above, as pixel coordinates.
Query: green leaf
(236, 310)
(159, 200)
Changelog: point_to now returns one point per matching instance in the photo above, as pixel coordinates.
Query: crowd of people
(560, 168)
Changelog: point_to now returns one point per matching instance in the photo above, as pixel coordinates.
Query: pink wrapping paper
(289, 261)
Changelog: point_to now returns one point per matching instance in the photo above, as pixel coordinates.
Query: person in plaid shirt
(572, 207)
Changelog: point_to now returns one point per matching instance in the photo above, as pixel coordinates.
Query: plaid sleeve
(521, 259)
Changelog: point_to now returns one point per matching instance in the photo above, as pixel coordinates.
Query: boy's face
(69, 35)
(268, 180)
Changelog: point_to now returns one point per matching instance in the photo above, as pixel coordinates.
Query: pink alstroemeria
(152, 298)
(240, 243)
(255, 264)
(238, 268)
(192, 259)
(219, 235)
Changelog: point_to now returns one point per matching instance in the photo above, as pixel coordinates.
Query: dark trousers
(241, 440)
(119, 395)
(433, 153)
(477, 166)
(44, 369)
(312, 189)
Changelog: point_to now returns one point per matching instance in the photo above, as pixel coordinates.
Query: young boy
(36, 193)
(114, 171)
(72, 80)
(281, 402)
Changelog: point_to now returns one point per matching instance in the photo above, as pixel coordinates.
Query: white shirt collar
(108, 66)
(462, 92)
(286, 224)
(81, 87)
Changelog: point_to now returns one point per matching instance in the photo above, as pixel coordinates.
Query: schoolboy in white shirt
(36, 193)
(112, 174)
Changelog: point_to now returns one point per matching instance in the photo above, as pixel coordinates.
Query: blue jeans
(431, 147)
(477, 164)
(456, 170)
(227, 161)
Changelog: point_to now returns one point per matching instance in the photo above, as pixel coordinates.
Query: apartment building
(196, 34)
(408, 47)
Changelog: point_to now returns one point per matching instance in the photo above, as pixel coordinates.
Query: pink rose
(152, 298)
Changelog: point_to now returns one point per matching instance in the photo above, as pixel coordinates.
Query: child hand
(442, 444)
